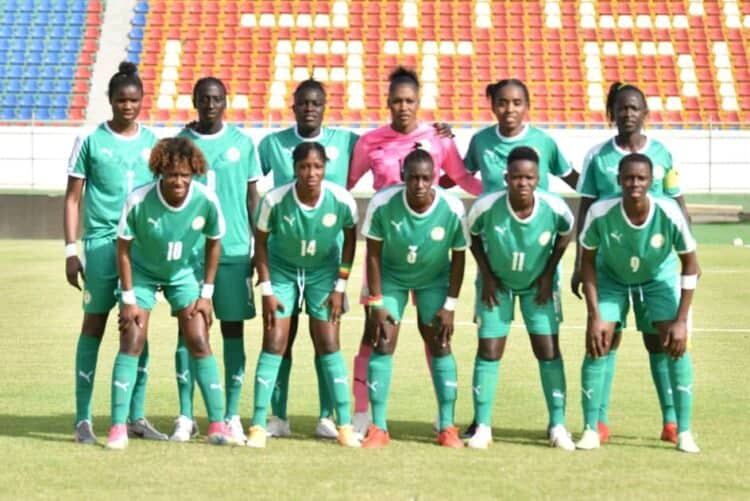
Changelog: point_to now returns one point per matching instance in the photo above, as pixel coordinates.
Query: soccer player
(160, 223)
(232, 174)
(110, 162)
(382, 152)
(299, 260)
(275, 152)
(412, 229)
(518, 237)
(626, 107)
(628, 253)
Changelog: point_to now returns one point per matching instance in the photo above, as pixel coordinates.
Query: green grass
(41, 317)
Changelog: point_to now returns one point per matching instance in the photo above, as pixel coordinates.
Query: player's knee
(491, 349)
(653, 343)
(545, 347)
(94, 324)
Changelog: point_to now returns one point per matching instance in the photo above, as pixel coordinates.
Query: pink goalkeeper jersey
(382, 151)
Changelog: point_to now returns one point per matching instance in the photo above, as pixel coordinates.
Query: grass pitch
(41, 320)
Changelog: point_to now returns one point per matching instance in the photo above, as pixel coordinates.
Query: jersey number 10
(174, 251)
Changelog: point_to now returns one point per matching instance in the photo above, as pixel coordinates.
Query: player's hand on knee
(382, 322)
(73, 268)
(544, 288)
(129, 314)
(675, 343)
(490, 286)
(575, 283)
(444, 320)
(596, 337)
(335, 305)
(203, 307)
(270, 306)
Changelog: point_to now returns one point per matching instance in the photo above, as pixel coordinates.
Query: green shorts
(495, 322)
(429, 300)
(180, 292)
(653, 301)
(292, 287)
(100, 270)
(233, 292)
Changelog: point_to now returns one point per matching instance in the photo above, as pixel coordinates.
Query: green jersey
(112, 166)
(518, 249)
(599, 175)
(488, 153)
(637, 254)
(232, 164)
(275, 151)
(301, 236)
(416, 247)
(163, 236)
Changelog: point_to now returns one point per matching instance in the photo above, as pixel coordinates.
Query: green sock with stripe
(606, 390)
(660, 374)
(483, 386)
(379, 371)
(185, 377)
(124, 373)
(445, 379)
(234, 373)
(207, 377)
(266, 372)
(87, 353)
(281, 389)
(333, 369)
(592, 381)
(138, 402)
(552, 374)
(681, 375)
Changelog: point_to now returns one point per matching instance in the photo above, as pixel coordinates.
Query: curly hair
(173, 150)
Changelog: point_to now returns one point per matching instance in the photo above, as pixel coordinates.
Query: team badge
(146, 154)
(198, 223)
(658, 172)
(657, 241)
(332, 153)
(329, 219)
(233, 154)
(437, 233)
(544, 238)
(86, 297)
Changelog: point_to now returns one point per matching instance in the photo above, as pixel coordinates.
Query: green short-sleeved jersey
(416, 247)
(488, 153)
(275, 151)
(232, 164)
(164, 236)
(301, 236)
(637, 254)
(518, 249)
(112, 165)
(599, 175)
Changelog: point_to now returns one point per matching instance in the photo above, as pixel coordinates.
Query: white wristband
(340, 285)
(265, 288)
(688, 281)
(207, 291)
(71, 250)
(450, 303)
(128, 297)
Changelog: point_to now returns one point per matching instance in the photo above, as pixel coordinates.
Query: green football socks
(124, 374)
(660, 373)
(87, 352)
(138, 402)
(266, 373)
(552, 374)
(592, 381)
(207, 377)
(445, 379)
(234, 373)
(336, 381)
(379, 372)
(281, 389)
(606, 390)
(483, 387)
(325, 399)
(185, 378)
(681, 375)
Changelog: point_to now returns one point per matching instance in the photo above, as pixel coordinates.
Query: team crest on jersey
(329, 220)
(437, 233)
(332, 153)
(146, 154)
(86, 297)
(198, 223)
(658, 172)
(657, 241)
(544, 238)
(233, 154)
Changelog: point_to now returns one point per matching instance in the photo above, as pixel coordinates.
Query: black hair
(206, 81)
(402, 75)
(127, 74)
(635, 158)
(416, 156)
(309, 84)
(614, 90)
(523, 153)
(492, 90)
(304, 148)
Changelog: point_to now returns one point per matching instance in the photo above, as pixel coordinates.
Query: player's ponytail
(402, 76)
(127, 74)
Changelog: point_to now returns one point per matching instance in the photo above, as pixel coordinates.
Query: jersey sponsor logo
(332, 153)
(658, 172)
(329, 220)
(500, 230)
(86, 297)
(86, 375)
(616, 236)
(183, 376)
(198, 223)
(544, 238)
(146, 154)
(289, 219)
(437, 233)
(152, 221)
(233, 154)
(121, 385)
(397, 225)
(657, 241)
(107, 152)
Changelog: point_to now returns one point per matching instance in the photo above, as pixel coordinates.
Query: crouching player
(298, 259)
(518, 237)
(628, 250)
(416, 239)
(159, 225)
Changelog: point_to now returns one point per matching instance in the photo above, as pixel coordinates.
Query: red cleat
(669, 432)
(376, 438)
(449, 438)
(603, 429)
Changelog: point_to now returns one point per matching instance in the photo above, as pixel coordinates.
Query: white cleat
(482, 437)
(686, 442)
(360, 423)
(560, 438)
(326, 428)
(184, 429)
(589, 440)
(256, 437)
(278, 427)
(234, 427)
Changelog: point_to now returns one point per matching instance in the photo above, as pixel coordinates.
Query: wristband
(128, 297)
(71, 250)
(207, 291)
(688, 281)
(375, 302)
(450, 303)
(340, 285)
(265, 288)
(344, 271)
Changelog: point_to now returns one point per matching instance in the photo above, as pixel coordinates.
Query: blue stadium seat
(26, 6)
(63, 86)
(44, 6)
(13, 86)
(61, 101)
(25, 113)
(49, 72)
(61, 6)
(42, 100)
(9, 100)
(135, 46)
(54, 45)
(39, 32)
(136, 33)
(29, 87)
(138, 20)
(24, 18)
(27, 100)
(57, 32)
(77, 19)
(6, 31)
(60, 113)
(36, 45)
(79, 6)
(31, 71)
(68, 58)
(11, 5)
(66, 72)
(17, 45)
(21, 30)
(4, 44)
(9, 113)
(42, 114)
(72, 46)
(141, 7)
(17, 57)
(9, 18)
(15, 71)
(60, 18)
(47, 86)
(34, 58)
(75, 32)
(42, 18)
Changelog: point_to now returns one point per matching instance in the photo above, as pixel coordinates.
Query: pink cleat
(219, 434)
(118, 437)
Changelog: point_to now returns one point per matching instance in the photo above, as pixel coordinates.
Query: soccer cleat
(376, 438)
(669, 432)
(118, 437)
(278, 427)
(360, 423)
(449, 438)
(234, 427)
(326, 428)
(84, 433)
(482, 437)
(560, 438)
(347, 437)
(219, 434)
(470, 430)
(142, 428)
(184, 429)
(589, 440)
(256, 437)
(686, 442)
(603, 429)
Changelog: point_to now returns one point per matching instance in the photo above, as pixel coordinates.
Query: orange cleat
(376, 438)
(669, 432)
(603, 429)
(449, 438)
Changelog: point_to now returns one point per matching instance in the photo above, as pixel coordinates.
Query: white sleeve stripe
(673, 212)
(125, 237)
(379, 199)
(372, 237)
(216, 237)
(482, 205)
(587, 247)
(76, 175)
(459, 248)
(586, 163)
